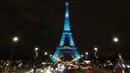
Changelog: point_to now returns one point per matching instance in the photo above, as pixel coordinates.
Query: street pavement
(74, 71)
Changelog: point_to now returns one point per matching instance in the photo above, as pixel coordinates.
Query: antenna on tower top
(67, 21)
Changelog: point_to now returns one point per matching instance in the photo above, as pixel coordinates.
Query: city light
(36, 49)
(96, 49)
(32, 70)
(82, 55)
(56, 69)
(15, 39)
(115, 39)
(50, 55)
(48, 71)
(43, 63)
(66, 22)
(86, 53)
(128, 66)
(45, 53)
(42, 71)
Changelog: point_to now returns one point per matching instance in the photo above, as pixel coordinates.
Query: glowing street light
(35, 58)
(86, 53)
(96, 49)
(82, 55)
(115, 39)
(50, 55)
(36, 52)
(36, 49)
(15, 39)
(45, 53)
(95, 54)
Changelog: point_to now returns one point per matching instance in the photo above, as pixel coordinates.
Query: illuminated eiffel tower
(66, 37)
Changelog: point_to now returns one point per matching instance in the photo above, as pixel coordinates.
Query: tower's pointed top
(66, 22)
(67, 2)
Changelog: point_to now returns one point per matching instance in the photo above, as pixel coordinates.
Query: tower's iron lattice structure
(66, 35)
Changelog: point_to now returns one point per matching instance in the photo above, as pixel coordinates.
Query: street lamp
(116, 40)
(82, 55)
(50, 55)
(95, 52)
(36, 52)
(86, 55)
(96, 49)
(45, 55)
(15, 39)
(36, 49)
(36, 55)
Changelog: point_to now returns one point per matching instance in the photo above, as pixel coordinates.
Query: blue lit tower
(66, 35)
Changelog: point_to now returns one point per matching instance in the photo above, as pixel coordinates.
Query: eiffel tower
(66, 44)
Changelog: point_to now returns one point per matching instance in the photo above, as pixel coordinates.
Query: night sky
(39, 23)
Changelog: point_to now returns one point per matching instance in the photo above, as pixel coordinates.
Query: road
(73, 71)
